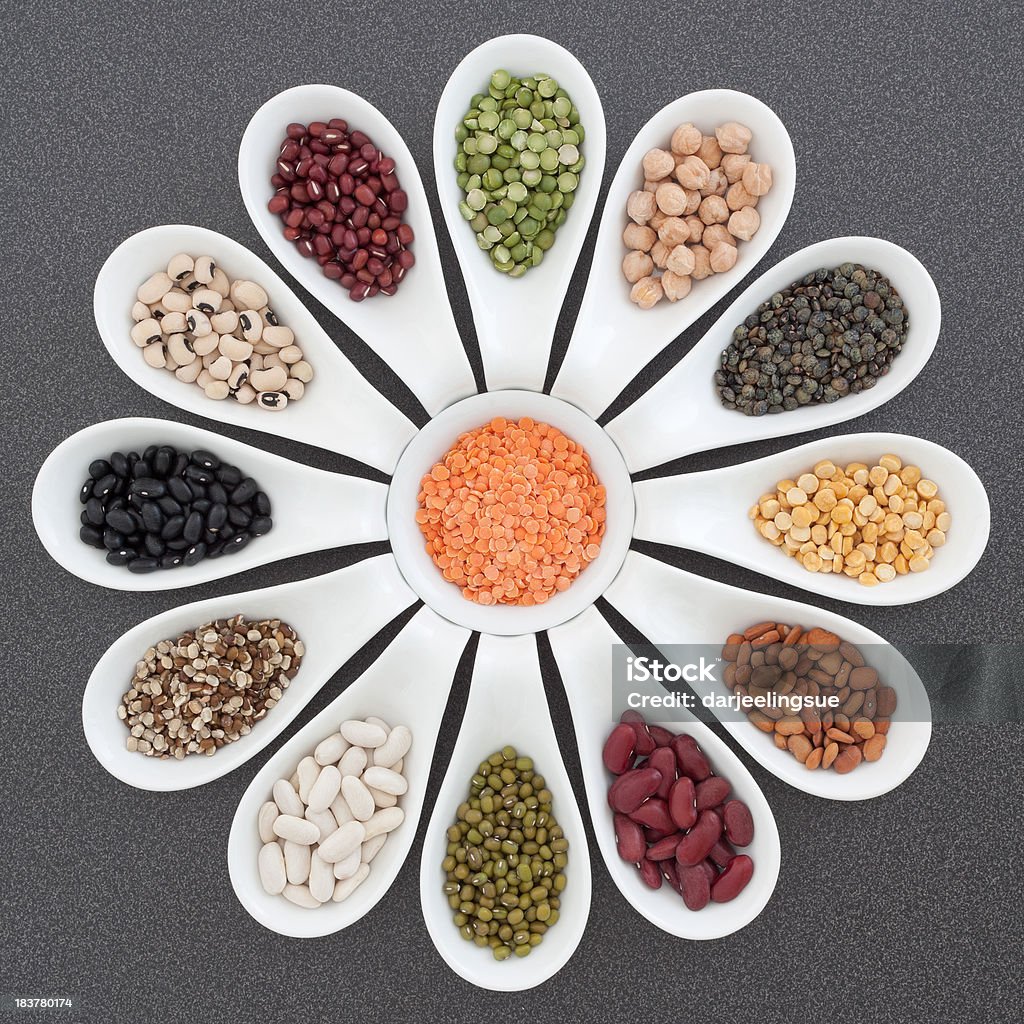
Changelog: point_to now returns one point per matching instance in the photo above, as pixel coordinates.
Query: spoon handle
(336, 510)
(685, 511)
(515, 354)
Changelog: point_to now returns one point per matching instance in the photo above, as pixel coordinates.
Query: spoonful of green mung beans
(519, 164)
(506, 858)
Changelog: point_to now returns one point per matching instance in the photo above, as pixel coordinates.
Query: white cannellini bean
(363, 734)
(398, 766)
(287, 799)
(347, 886)
(330, 750)
(352, 762)
(272, 872)
(308, 771)
(386, 780)
(301, 896)
(295, 829)
(268, 812)
(371, 847)
(325, 789)
(383, 821)
(373, 720)
(350, 865)
(358, 797)
(341, 811)
(296, 861)
(394, 749)
(321, 879)
(382, 799)
(324, 821)
(338, 846)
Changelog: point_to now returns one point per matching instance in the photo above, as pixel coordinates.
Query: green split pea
(519, 165)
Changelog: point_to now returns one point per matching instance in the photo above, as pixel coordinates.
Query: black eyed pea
(272, 360)
(294, 389)
(198, 323)
(224, 322)
(269, 380)
(269, 316)
(302, 370)
(154, 288)
(140, 311)
(188, 372)
(278, 337)
(204, 378)
(290, 354)
(180, 266)
(262, 348)
(245, 394)
(157, 311)
(206, 344)
(272, 400)
(238, 376)
(181, 351)
(220, 283)
(218, 390)
(173, 322)
(206, 300)
(189, 284)
(220, 369)
(204, 268)
(154, 355)
(176, 301)
(252, 325)
(248, 294)
(145, 332)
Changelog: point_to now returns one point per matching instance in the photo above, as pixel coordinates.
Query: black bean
(179, 490)
(226, 532)
(94, 511)
(217, 516)
(216, 493)
(104, 486)
(91, 536)
(154, 545)
(120, 557)
(141, 468)
(163, 462)
(113, 539)
(261, 525)
(119, 464)
(152, 517)
(215, 550)
(195, 554)
(149, 487)
(205, 459)
(141, 565)
(237, 543)
(198, 490)
(169, 506)
(99, 469)
(193, 529)
(179, 464)
(171, 560)
(83, 518)
(261, 503)
(202, 505)
(178, 544)
(149, 453)
(173, 527)
(244, 491)
(199, 475)
(86, 492)
(229, 476)
(121, 520)
(239, 516)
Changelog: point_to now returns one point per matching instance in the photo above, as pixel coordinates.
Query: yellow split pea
(871, 523)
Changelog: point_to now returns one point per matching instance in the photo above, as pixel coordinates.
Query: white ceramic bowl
(333, 615)
(414, 330)
(683, 414)
(430, 445)
(689, 609)
(708, 512)
(506, 705)
(613, 338)
(312, 509)
(515, 317)
(583, 650)
(338, 402)
(387, 690)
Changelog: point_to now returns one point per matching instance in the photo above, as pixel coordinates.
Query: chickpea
(692, 202)
(660, 253)
(657, 220)
(658, 164)
(723, 258)
(686, 140)
(733, 137)
(636, 265)
(680, 261)
(693, 173)
(710, 151)
(757, 178)
(701, 262)
(737, 197)
(696, 226)
(671, 199)
(733, 165)
(640, 206)
(744, 223)
(675, 286)
(637, 236)
(717, 184)
(713, 210)
(674, 231)
(651, 186)
(647, 292)
(716, 234)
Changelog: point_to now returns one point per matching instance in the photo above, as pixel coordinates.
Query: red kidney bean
(739, 823)
(654, 814)
(618, 749)
(665, 762)
(661, 736)
(710, 869)
(664, 849)
(733, 880)
(692, 761)
(629, 839)
(670, 872)
(694, 886)
(698, 842)
(629, 791)
(650, 873)
(722, 852)
(644, 742)
(682, 803)
(711, 792)
(654, 835)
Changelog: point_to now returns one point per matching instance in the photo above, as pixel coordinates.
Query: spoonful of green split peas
(519, 164)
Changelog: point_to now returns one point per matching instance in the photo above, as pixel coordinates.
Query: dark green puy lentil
(518, 163)
(830, 334)
(505, 890)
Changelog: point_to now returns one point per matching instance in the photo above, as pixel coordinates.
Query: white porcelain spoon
(583, 649)
(683, 414)
(614, 339)
(407, 685)
(708, 512)
(333, 615)
(506, 706)
(312, 509)
(671, 607)
(515, 317)
(414, 330)
(339, 404)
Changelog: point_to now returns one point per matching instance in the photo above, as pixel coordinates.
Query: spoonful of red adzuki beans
(341, 203)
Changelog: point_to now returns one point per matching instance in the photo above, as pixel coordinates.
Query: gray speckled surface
(905, 122)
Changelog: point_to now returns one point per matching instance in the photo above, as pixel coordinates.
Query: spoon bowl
(387, 690)
(414, 330)
(692, 610)
(333, 615)
(338, 402)
(683, 414)
(312, 509)
(430, 445)
(515, 317)
(506, 706)
(583, 649)
(707, 512)
(613, 338)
